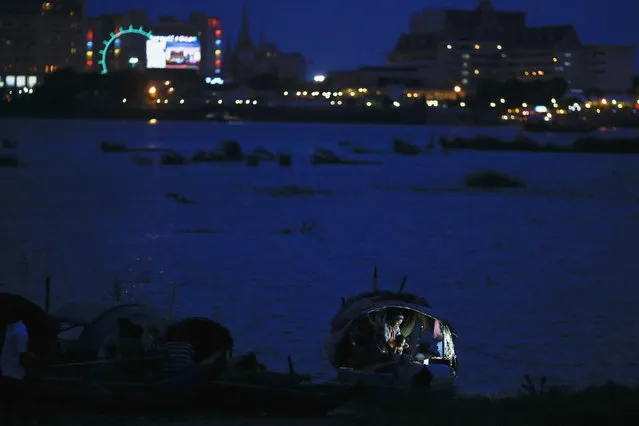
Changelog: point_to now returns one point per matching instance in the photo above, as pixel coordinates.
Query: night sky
(342, 34)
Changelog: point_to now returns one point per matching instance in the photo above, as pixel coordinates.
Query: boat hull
(401, 377)
(99, 391)
(288, 400)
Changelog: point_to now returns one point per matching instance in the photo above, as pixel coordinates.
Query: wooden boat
(258, 391)
(355, 347)
(85, 371)
(120, 384)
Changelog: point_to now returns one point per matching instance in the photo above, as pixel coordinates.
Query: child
(400, 344)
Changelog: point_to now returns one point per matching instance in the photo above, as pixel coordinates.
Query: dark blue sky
(336, 34)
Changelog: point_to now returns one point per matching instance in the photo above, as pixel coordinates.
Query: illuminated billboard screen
(173, 51)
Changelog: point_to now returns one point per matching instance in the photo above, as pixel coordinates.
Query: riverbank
(252, 113)
(603, 405)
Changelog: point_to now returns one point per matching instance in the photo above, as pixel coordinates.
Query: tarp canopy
(386, 306)
(377, 310)
(100, 322)
(354, 306)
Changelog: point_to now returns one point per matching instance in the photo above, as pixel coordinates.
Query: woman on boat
(14, 339)
(393, 339)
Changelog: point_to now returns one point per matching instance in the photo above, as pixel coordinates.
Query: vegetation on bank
(610, 404)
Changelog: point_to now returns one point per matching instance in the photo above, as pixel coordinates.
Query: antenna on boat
(47, 293)
(403, 283)
(291, 368)
(172, 300)
(375, 279)
(47, 283)
(117, 289)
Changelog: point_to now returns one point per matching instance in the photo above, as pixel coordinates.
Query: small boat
(555, 126)
(98, 365)
(108, 146)
(247, 386)
(356, 344)
(223, 117)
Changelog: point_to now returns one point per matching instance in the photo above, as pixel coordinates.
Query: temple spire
(244, 41)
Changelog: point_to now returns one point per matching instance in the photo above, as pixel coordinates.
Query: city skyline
(362, 37)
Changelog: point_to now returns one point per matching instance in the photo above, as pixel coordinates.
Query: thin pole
(47, 293)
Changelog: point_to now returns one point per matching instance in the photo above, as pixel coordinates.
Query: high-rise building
(38, 37)
(457, 47)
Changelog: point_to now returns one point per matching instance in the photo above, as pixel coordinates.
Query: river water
(539, 280)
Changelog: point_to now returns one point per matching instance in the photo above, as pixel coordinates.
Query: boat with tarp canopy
(111, 354)
(359, 348)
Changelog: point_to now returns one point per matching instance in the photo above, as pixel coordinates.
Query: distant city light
(457, 89)
(133, 60)
(319, 78)
(214, 80)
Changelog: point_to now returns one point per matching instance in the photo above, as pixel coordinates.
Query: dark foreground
(605, 405)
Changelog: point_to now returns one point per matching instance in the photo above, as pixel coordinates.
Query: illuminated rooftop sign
(175, 38)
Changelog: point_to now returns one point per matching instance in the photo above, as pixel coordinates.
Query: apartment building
(39, 37)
